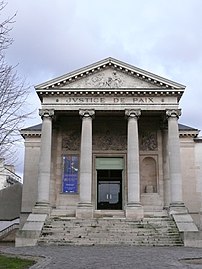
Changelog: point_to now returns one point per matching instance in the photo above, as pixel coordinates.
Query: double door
(109, 189)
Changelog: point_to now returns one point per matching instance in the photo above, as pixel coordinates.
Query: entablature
(110, 103)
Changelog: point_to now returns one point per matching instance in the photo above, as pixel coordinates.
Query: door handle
(110, 196)
(107, 196)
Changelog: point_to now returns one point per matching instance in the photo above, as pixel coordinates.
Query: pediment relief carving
(110, 78)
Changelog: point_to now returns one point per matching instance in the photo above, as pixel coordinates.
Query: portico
(117, 92)
(94, 145)
(109, 144)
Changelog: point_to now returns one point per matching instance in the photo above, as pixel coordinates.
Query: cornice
(111, 92)
(31, 133)
(193, 133)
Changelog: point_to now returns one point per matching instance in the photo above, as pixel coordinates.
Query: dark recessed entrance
(109, 189)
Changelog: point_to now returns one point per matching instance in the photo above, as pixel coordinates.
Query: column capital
(86, 113)
(133, 113)
(173, 113)
(47, 113)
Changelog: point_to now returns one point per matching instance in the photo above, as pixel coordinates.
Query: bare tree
(13, 93)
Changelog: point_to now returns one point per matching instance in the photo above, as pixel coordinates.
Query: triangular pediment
(109, 73)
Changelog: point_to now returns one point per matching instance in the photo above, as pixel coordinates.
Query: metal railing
(8, 229)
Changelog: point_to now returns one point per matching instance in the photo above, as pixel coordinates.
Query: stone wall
(30, 182)
(10, 201)
(188, 169)
(198, 163)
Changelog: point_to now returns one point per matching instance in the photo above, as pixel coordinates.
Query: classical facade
(110, 144)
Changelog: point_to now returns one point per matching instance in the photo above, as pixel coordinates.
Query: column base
(177, 208)
(135, 211)
(42, 208)
(84, 211)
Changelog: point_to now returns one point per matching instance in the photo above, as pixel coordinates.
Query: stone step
(119, 233)
(158, 231)
(112, 238)
(102, 242)
(116, 222)
(113, 228)
(104, 239)
(106, 233)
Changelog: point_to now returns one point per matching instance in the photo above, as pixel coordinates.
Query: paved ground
(109, 257)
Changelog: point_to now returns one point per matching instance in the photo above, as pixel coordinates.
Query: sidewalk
(109, 257)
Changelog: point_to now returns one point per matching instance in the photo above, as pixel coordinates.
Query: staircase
(152, 231)
(8, 230)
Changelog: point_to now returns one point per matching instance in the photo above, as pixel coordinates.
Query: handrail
(8, 229)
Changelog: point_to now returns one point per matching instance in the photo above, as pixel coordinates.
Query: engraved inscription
(108, 100)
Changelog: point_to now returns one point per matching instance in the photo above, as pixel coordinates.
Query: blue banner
(70, 174)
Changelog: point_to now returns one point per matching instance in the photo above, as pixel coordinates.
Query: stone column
(84, 209)
(174, 159)
(166, 178)
(44, 160)
(134, 209)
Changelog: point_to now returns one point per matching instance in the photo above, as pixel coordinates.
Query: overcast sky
(54, 37)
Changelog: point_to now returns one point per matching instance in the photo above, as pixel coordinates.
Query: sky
(52, 38)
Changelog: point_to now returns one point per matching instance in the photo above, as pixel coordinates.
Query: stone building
(110, 145)
(10, 197)
(8, 176)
